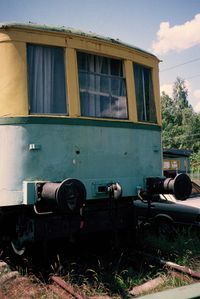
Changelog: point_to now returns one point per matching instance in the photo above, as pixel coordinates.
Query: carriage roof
(72, 31)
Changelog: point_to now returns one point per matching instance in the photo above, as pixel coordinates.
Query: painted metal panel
(92, 154)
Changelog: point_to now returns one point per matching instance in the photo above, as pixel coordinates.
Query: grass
(116, 274)
(98, 267)
(183, 248)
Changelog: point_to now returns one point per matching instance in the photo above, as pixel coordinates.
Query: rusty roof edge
(70, 30)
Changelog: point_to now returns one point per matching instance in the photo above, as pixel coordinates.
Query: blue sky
(170, 29)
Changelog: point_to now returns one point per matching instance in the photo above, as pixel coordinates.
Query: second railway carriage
(80, 132)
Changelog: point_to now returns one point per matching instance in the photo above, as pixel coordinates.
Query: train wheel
(18, 250)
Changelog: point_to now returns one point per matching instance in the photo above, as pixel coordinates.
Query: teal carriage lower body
(36, 151)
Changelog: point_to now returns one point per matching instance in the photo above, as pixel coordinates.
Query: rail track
(14, 285)
(29, 278)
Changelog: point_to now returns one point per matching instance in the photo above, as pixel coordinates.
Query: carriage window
(102, 87)
(46, 79)
(146, 109)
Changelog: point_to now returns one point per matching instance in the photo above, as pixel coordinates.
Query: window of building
(146, 109)
(102, 87)
(46, 79)
(171, 164)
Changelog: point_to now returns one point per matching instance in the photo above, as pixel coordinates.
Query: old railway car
(80, 132)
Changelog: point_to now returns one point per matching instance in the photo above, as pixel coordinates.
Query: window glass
(46, 79)
(146, 109)
(171, 164)
(102, 87)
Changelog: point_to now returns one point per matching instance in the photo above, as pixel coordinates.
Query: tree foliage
(180, 93)
(180, 124)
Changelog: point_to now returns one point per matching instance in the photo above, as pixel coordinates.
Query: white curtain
(46, 79)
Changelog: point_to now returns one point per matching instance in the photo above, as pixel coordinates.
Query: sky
(170, 29)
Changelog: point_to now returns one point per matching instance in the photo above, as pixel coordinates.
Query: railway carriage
(80, 132)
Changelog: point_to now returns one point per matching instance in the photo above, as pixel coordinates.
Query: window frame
(152, 98)
(101, 75)
(72, 87)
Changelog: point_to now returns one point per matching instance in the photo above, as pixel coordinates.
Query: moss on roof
(69, 30)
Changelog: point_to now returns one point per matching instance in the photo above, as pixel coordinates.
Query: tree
(180, 93)
(180, 124)
(169, 121)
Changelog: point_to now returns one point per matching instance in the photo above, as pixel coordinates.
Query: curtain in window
(146, 110)
(102, 87)
(46, 79)
(139, 89)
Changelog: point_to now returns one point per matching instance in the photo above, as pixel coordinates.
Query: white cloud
(193, 95)
(197, 108)
(189, 87)
(196, 94)
(177, 38)
(167, 88)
